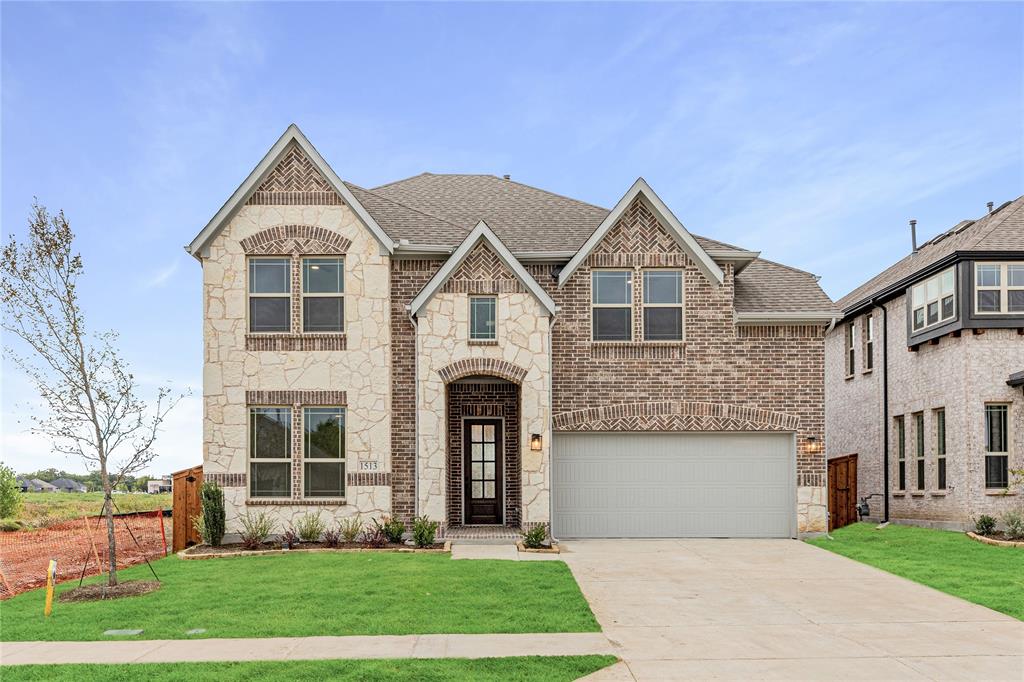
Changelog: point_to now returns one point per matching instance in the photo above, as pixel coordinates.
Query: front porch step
(482, 535)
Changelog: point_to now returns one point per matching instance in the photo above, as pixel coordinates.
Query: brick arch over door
(675, 416)
(482, 366)
(295, 239)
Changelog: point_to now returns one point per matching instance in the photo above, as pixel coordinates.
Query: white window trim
(850, 351)
(926, 301)
(342, 460)
(629, 305)
(868, 363)
(1004, 288)
(681, 305)
(941, 444)
(250, 458)
(250, 294)
(494, 331)
(303, 295)
(901, 452)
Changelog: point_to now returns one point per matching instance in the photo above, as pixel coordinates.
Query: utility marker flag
(51, 575)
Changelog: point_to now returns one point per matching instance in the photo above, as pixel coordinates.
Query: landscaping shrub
(984, 524)
(10, 492)
(256, 528)
(289, 538)
(350, 528)
(1014, 521)
(10, 525)
(332, 538)
(535, 537)
(211, 498)
(311, 527)
(393, 529)
(423, 531)
(374, 534)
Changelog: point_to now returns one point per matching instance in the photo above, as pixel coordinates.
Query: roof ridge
(405, 206)
(395, 182)
(554, 194)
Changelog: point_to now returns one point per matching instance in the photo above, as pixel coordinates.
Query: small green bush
(256, 528)
(423, 531)
(535, 537)
(984, 524)
(10, 492)
(350, 528)
(311, 527)
(211, 498)
(1014, 521)
(393, 529)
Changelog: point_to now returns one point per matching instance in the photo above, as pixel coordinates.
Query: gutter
(769, 317)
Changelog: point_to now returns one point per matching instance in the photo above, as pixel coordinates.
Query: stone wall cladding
(959, 374)
(484, 400)
(294, 181)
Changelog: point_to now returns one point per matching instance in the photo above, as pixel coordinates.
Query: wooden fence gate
(185, 494)
(842, 491)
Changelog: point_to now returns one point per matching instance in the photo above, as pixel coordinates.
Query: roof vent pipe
(913, 234)
(509, 177)
(990, 205)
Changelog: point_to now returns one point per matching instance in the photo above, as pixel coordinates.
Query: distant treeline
(90, 480)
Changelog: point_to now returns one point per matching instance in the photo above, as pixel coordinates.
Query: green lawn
(530, 668)
(320, 594)
(948, 561)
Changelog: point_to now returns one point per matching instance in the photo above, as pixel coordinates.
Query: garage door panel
(673, 485)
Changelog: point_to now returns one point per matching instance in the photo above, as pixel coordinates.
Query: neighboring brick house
(938, 338)
(491, 354)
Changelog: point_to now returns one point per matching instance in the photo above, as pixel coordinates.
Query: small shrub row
(258, 526)
(1013, 520)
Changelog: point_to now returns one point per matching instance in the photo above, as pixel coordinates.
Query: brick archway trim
(675, 416)
(485, 366)
(295, 239)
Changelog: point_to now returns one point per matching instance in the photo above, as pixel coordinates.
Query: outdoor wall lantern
(536, 443)
(813, 445)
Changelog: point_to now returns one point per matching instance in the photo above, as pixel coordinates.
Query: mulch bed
(237, 549)
(130, 588)
(997, 538)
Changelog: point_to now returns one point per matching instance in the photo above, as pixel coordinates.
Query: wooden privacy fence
(186, 506)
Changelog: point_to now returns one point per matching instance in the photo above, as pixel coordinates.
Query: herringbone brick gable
(295, 180)
(482, 272)
(638, 240)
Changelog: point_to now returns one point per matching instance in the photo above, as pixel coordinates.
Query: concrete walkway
(781, 609)
(305, 648)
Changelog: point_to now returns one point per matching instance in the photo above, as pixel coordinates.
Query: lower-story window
(901, 454)
(323, 452)
(270, 464)
(997, 440)
(919, 448)
(940, 448)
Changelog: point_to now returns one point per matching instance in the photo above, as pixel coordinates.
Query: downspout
(415, 414)
(885, 411)
(551, 424)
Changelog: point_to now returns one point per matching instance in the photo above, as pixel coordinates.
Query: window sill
(938, 493)
(868, 371)
(291, 502)
(850, 376)
(999, 492)
(637, 350)
(917, 493)
(483, 342)
(296, 341)
(899, 493)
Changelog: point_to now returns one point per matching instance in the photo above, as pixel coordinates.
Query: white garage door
(659, 485)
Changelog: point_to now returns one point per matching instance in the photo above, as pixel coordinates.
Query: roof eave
(811, 316)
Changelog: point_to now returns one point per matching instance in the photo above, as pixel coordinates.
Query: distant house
(23, 484)
(36, 485)
(159, 485)
(66, 485)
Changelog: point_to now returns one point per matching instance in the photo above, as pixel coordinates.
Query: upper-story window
(663, 305)
(323, 289)
(933, 301)
(483, 318)
(269, 295)
(850, 353)
(611, 293)
(869, 343)
(998, 288)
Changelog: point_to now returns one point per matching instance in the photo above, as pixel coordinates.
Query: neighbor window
(612, 305)
(269, 295)
(933, 301)
(997, 439)
(869, 342)
(323, 452)
(901, 454)
(270, 461)
(999, 288)
(323, 288)
(663, 305)
(919, 449)
(940, 448)
(482, 318)
(850, 352)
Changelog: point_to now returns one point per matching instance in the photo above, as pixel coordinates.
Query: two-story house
(496, 356)
(923, 379)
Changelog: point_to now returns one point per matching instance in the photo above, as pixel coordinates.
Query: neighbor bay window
(998, 288)
(323, 288)
(663, 305)
(933, 301)
(269, 295)
(997, 442)
(612, 305)
(323, 452)
(270, 462)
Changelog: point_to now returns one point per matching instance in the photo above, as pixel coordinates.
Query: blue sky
(810, 132)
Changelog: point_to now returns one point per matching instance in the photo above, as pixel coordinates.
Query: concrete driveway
(781, 609)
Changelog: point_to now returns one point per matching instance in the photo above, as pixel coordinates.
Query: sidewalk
(305, 648)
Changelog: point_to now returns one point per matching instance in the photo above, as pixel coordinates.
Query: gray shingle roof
(1001, 230)
(441, 210)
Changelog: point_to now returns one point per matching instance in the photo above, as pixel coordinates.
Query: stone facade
(960, 374)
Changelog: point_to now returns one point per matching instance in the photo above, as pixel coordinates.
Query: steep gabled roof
(481, 233)
(1001, 230)
(640, 188)
(291, 136)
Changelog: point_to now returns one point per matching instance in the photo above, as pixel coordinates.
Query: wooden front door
(842, 491)
(482, 464)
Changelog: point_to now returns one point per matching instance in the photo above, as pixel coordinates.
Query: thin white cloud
(161, 276)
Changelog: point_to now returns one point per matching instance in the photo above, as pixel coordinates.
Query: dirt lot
(42, 510)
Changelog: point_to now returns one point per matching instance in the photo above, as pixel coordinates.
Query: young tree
(93, 410)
